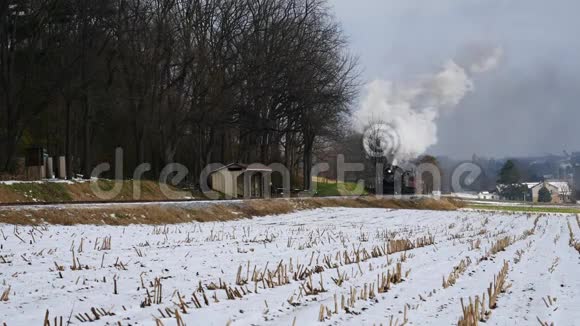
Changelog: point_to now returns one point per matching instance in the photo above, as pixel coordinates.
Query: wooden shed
(240, 180)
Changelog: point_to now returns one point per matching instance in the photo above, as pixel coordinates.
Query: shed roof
(256, 167)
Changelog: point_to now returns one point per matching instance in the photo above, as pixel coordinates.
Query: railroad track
(97, 203)
(94, 202)
(177, 202)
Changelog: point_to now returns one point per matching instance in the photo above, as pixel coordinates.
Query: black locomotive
(404, 186)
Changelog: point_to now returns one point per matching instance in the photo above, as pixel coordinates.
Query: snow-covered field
(339, 265)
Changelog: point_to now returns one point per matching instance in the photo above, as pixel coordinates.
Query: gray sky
(529, 104)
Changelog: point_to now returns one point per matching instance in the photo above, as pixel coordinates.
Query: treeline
(188, 81)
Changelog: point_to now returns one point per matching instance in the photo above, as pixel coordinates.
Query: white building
(486, 195)
(238, 180)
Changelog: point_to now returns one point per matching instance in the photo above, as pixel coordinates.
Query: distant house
(486, 195)
(238, 180)
(560, 191)
(564, 189)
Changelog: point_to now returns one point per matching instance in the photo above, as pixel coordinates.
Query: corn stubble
(476, 311)
(456, 273)
(573, 242)
(251, 279)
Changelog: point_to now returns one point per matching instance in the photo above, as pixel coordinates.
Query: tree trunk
(10, 141)
(86, 138)
(67, 147)
(307, 164)
(10, 144)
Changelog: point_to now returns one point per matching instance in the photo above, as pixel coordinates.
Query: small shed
(240, 180)
(36, 163)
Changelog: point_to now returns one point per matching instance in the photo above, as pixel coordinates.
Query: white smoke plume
(413, 108)
(482, 58)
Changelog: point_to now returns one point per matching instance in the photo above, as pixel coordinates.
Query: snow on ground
(43, 181)
(277, 260)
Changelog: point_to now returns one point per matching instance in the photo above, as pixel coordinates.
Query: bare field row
(356, 266)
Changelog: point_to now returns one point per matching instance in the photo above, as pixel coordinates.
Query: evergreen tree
(509, 173)
(544, 195)
(510, 177)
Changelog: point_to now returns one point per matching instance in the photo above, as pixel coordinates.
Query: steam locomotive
(407, 181)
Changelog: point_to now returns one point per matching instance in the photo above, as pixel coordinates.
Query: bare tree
(173, 80)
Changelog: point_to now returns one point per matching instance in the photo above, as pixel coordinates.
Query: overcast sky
(529, 104)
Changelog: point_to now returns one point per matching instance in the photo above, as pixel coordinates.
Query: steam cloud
(413, 108)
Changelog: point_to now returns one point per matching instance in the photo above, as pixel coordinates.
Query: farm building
(486, 195)
(560, 191)
(240, 180)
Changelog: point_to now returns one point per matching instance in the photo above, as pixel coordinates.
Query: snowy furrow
(545, 283)
(37, 275)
